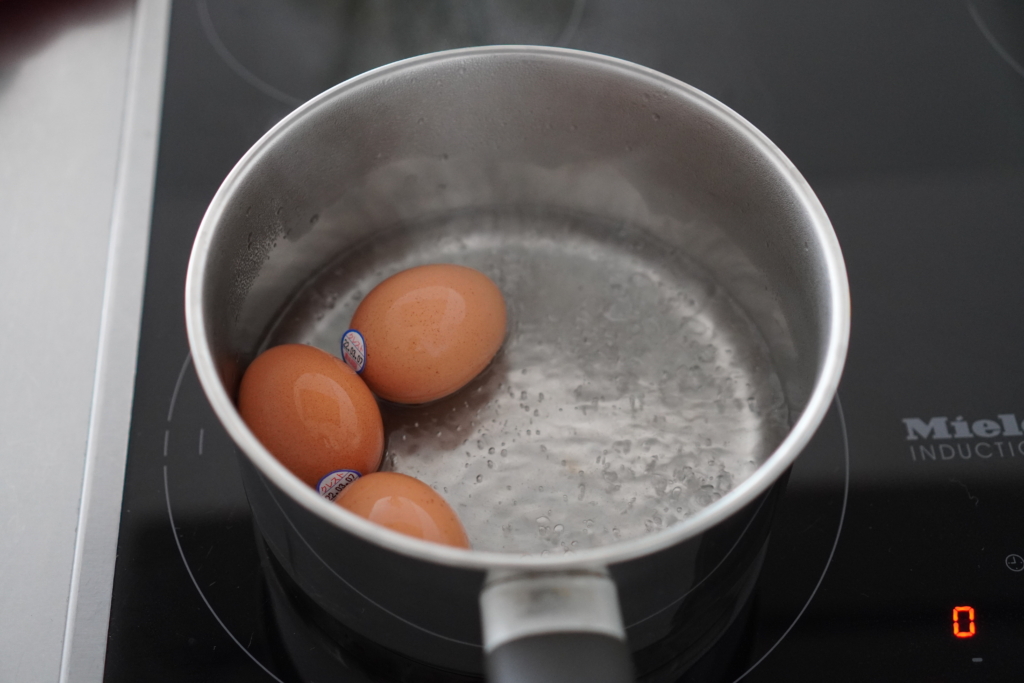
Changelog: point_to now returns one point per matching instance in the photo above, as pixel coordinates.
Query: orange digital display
(963, 622)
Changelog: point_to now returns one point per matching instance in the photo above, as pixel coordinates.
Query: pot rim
(758, 482)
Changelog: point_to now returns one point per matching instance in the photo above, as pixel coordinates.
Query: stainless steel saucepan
(679, 318)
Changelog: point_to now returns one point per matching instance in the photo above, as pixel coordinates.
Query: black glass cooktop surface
(897, 552)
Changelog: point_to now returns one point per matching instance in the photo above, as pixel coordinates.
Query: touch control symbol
(1014, 562)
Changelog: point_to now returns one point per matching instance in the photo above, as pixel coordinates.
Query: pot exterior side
(675, 603)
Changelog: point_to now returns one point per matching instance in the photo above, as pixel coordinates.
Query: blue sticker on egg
(335, 482)
(353, 350)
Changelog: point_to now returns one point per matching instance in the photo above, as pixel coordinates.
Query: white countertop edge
(85, 632)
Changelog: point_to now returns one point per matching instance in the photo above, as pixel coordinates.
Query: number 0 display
(960, 616)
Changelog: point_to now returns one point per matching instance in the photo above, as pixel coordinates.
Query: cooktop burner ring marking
(354, 589)
(177, 387)
(842, 516)
(170, 413)
(229, 59)
(996, 45)
(181, 552)
(567, 33)
(709, 574)
(835, 543)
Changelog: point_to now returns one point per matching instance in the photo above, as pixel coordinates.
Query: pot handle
(554, 627)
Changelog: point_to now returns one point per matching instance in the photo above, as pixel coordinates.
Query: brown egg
(406, 505)
(312, 412)
(428, 331)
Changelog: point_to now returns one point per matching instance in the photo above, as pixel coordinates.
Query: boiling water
(630, 392)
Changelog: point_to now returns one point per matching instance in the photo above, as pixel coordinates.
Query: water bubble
(504, 452)
(558, 528)
(490, 451)
(490, 464)
(479, 478)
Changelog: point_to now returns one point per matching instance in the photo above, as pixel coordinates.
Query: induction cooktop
(897, 552)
